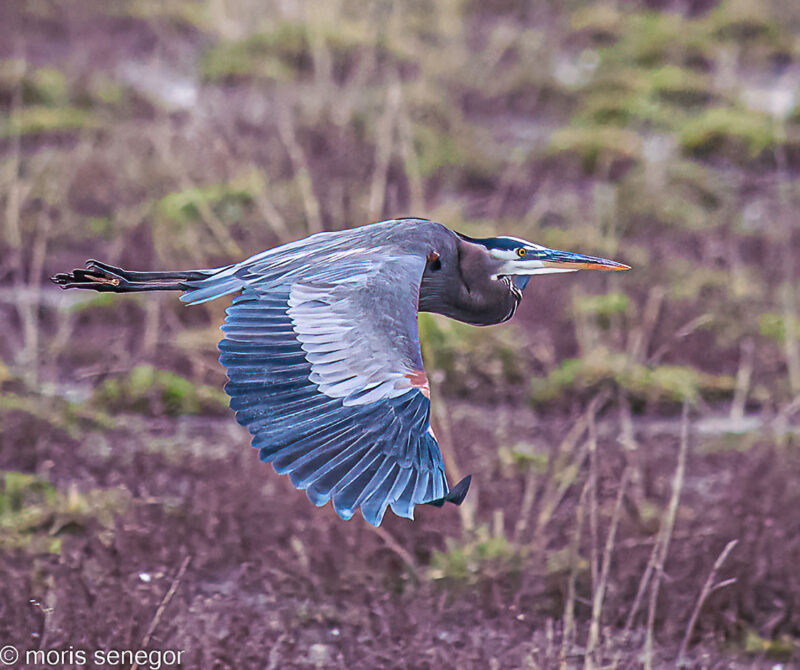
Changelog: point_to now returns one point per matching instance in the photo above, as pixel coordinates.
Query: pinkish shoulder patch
(419, 380)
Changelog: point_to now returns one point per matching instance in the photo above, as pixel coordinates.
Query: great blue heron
(323, 355)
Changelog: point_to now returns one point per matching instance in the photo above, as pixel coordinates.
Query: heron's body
(323, 355)
(456, 280)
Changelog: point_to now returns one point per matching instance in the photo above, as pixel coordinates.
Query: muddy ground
(133, 513)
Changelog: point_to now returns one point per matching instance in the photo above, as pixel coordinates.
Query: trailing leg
(103, 277)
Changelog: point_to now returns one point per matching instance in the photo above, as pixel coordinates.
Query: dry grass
(582, 541)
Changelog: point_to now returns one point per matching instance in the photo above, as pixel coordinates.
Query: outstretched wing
(325, 372)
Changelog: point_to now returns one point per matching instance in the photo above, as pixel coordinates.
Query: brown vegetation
(633, 439)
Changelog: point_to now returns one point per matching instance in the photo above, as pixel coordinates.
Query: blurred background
(602, 528)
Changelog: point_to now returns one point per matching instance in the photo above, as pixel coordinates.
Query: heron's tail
(103, 277)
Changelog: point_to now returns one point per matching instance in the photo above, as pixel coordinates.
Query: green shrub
(734, 133)
(485, 556)
(150, 391)
(34, 514)
(659, 384)
(40, 120)
(596, 146)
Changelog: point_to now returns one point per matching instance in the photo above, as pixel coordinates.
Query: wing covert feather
(325, 371)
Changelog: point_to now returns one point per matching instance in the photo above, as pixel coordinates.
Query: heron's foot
(103, 277)
(95, 277)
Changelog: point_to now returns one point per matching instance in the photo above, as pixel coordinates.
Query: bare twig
(743, 377)
(29, 309)
(272, 215)
(12, 229)
(788, 300)
(628, 438)
(397, 548)
(567, 478)
(528, 498)
(266, 207)
(513, 172)
(566, 448)
(656, 552)
(320, 51)
(593, 503)
(15, 198)
(443, 433)
(680, 334)
(568, 463)
(574, 561)
(152, 325)
(708, 587)
(600, 590)
(413, 172)
(215, 226)
(274, 659)
(788, 291)
(384, 143)
(642, 335)
(643, 583)
(665, 534)
(444, 436)
(302, 172)
(173, 587)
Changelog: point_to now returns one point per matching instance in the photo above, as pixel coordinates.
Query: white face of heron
(524, 258)
(520, 257)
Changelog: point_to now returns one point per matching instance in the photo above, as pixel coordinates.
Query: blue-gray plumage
(323, 355)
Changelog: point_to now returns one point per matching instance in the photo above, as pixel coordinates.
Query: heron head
(520, 259)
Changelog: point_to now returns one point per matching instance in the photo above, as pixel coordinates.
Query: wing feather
(320, 370)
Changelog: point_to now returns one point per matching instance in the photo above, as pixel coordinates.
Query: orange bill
(568, 260)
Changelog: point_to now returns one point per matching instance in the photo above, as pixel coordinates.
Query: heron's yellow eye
(521, 252)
